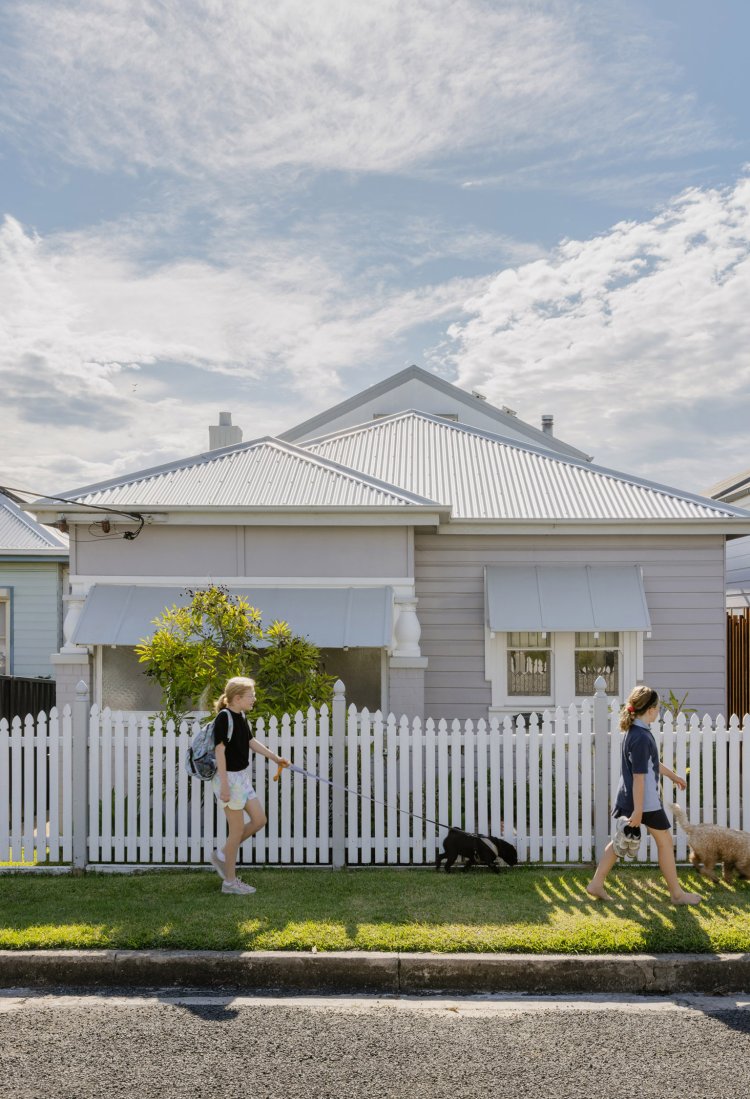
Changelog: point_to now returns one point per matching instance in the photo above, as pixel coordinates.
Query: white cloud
(109, 363)
(217, 88)
(637, 340)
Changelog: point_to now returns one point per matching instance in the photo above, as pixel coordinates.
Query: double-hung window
(597, 654)
(4, 631)
(529, 665)
(533, 671)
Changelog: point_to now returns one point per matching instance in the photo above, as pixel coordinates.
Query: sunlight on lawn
(298, 935)
(50, 936)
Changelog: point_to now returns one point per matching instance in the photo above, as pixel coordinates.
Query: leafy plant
(195, 649)
(674, 705)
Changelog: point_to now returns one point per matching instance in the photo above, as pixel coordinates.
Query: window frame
(6, 604)
(562, 678)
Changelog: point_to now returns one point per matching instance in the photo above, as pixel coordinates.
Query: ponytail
(235, 686)
(638, 702)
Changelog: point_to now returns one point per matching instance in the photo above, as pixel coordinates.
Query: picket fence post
(338, 753)
(601, 766)
(80, 776)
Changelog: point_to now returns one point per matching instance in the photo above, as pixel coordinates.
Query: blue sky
(266, 207)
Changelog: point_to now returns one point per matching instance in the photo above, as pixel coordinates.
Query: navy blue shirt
(640, 756)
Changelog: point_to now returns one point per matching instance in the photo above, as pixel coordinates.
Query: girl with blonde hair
(638, 797)
(232, 783)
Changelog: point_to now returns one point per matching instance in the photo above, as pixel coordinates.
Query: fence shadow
(640, 898)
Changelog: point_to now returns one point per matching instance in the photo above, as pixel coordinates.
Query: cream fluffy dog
(711, 843)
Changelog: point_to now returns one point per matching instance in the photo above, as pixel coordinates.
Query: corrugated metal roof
(484, 476)
(266, 473)
(20, 533)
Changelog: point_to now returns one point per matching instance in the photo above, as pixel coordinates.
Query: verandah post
(338, 797)
(601, 766)
(80, 775)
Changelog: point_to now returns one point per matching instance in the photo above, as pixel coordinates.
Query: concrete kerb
(377, 973)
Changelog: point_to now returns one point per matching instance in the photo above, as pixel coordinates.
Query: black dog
(487, 849)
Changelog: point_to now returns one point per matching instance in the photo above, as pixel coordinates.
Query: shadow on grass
(641, 909)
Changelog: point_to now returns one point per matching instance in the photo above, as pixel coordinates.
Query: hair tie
(631, 709)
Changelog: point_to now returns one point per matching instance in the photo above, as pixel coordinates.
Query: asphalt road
(196, 1045)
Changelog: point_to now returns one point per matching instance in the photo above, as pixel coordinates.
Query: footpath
(376, 973)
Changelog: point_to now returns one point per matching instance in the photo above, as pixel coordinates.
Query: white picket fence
(405, 783)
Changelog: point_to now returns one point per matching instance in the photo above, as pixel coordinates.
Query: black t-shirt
(238, 748)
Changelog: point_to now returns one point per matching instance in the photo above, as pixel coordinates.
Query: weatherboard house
(449, 559)
(33, 573)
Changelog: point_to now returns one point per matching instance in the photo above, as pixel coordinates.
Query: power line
(129, 535)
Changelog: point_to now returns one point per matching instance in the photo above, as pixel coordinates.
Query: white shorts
(241, 789)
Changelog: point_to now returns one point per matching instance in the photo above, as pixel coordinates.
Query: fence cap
(600, 685)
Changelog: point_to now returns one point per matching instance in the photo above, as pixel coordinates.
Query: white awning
(333, 618)
(556, 598)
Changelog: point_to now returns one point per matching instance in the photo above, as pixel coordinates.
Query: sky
(265, 207)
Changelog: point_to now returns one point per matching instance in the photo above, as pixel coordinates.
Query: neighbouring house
(33, 576)
(736, 490)
(449, 559)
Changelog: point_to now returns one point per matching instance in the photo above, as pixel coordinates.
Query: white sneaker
(621, 842)
(236, 886)
(219, 865)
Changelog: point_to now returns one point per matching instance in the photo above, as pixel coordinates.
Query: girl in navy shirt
(638, 795)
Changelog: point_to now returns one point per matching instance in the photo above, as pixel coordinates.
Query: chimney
(547, 422)
(223, 434)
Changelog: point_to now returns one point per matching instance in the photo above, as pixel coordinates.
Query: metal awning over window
(552, 598)
(333, 618)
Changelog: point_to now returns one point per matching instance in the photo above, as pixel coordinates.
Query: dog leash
(359, 794)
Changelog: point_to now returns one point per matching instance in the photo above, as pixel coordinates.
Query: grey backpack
(200, 761)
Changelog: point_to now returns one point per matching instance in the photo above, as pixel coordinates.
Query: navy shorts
(656, 819)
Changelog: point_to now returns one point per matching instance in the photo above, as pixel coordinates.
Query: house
(736, 490)
(449, 559)
(33, 575)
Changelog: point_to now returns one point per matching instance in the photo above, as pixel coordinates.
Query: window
(124, 683)
(531, 671)
(597, 654)
(529, 664)
(4, 631)
(360, 670)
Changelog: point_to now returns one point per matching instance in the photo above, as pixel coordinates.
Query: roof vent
(547, 424)
(223, 433)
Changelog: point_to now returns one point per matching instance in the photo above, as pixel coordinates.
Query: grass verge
(527, 910)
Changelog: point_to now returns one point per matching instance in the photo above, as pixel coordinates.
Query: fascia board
(34, 555)
(406, 515)
(730, 527)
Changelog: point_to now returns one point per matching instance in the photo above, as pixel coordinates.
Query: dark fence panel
(20, 696)
(738, 662)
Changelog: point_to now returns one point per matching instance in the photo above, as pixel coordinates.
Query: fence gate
(21, 695)
(738, 662)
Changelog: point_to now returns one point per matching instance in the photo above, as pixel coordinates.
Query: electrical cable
(129, 535)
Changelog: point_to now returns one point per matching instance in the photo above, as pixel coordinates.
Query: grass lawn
(524, 910)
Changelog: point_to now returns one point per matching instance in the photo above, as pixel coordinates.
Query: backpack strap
(230, 729)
